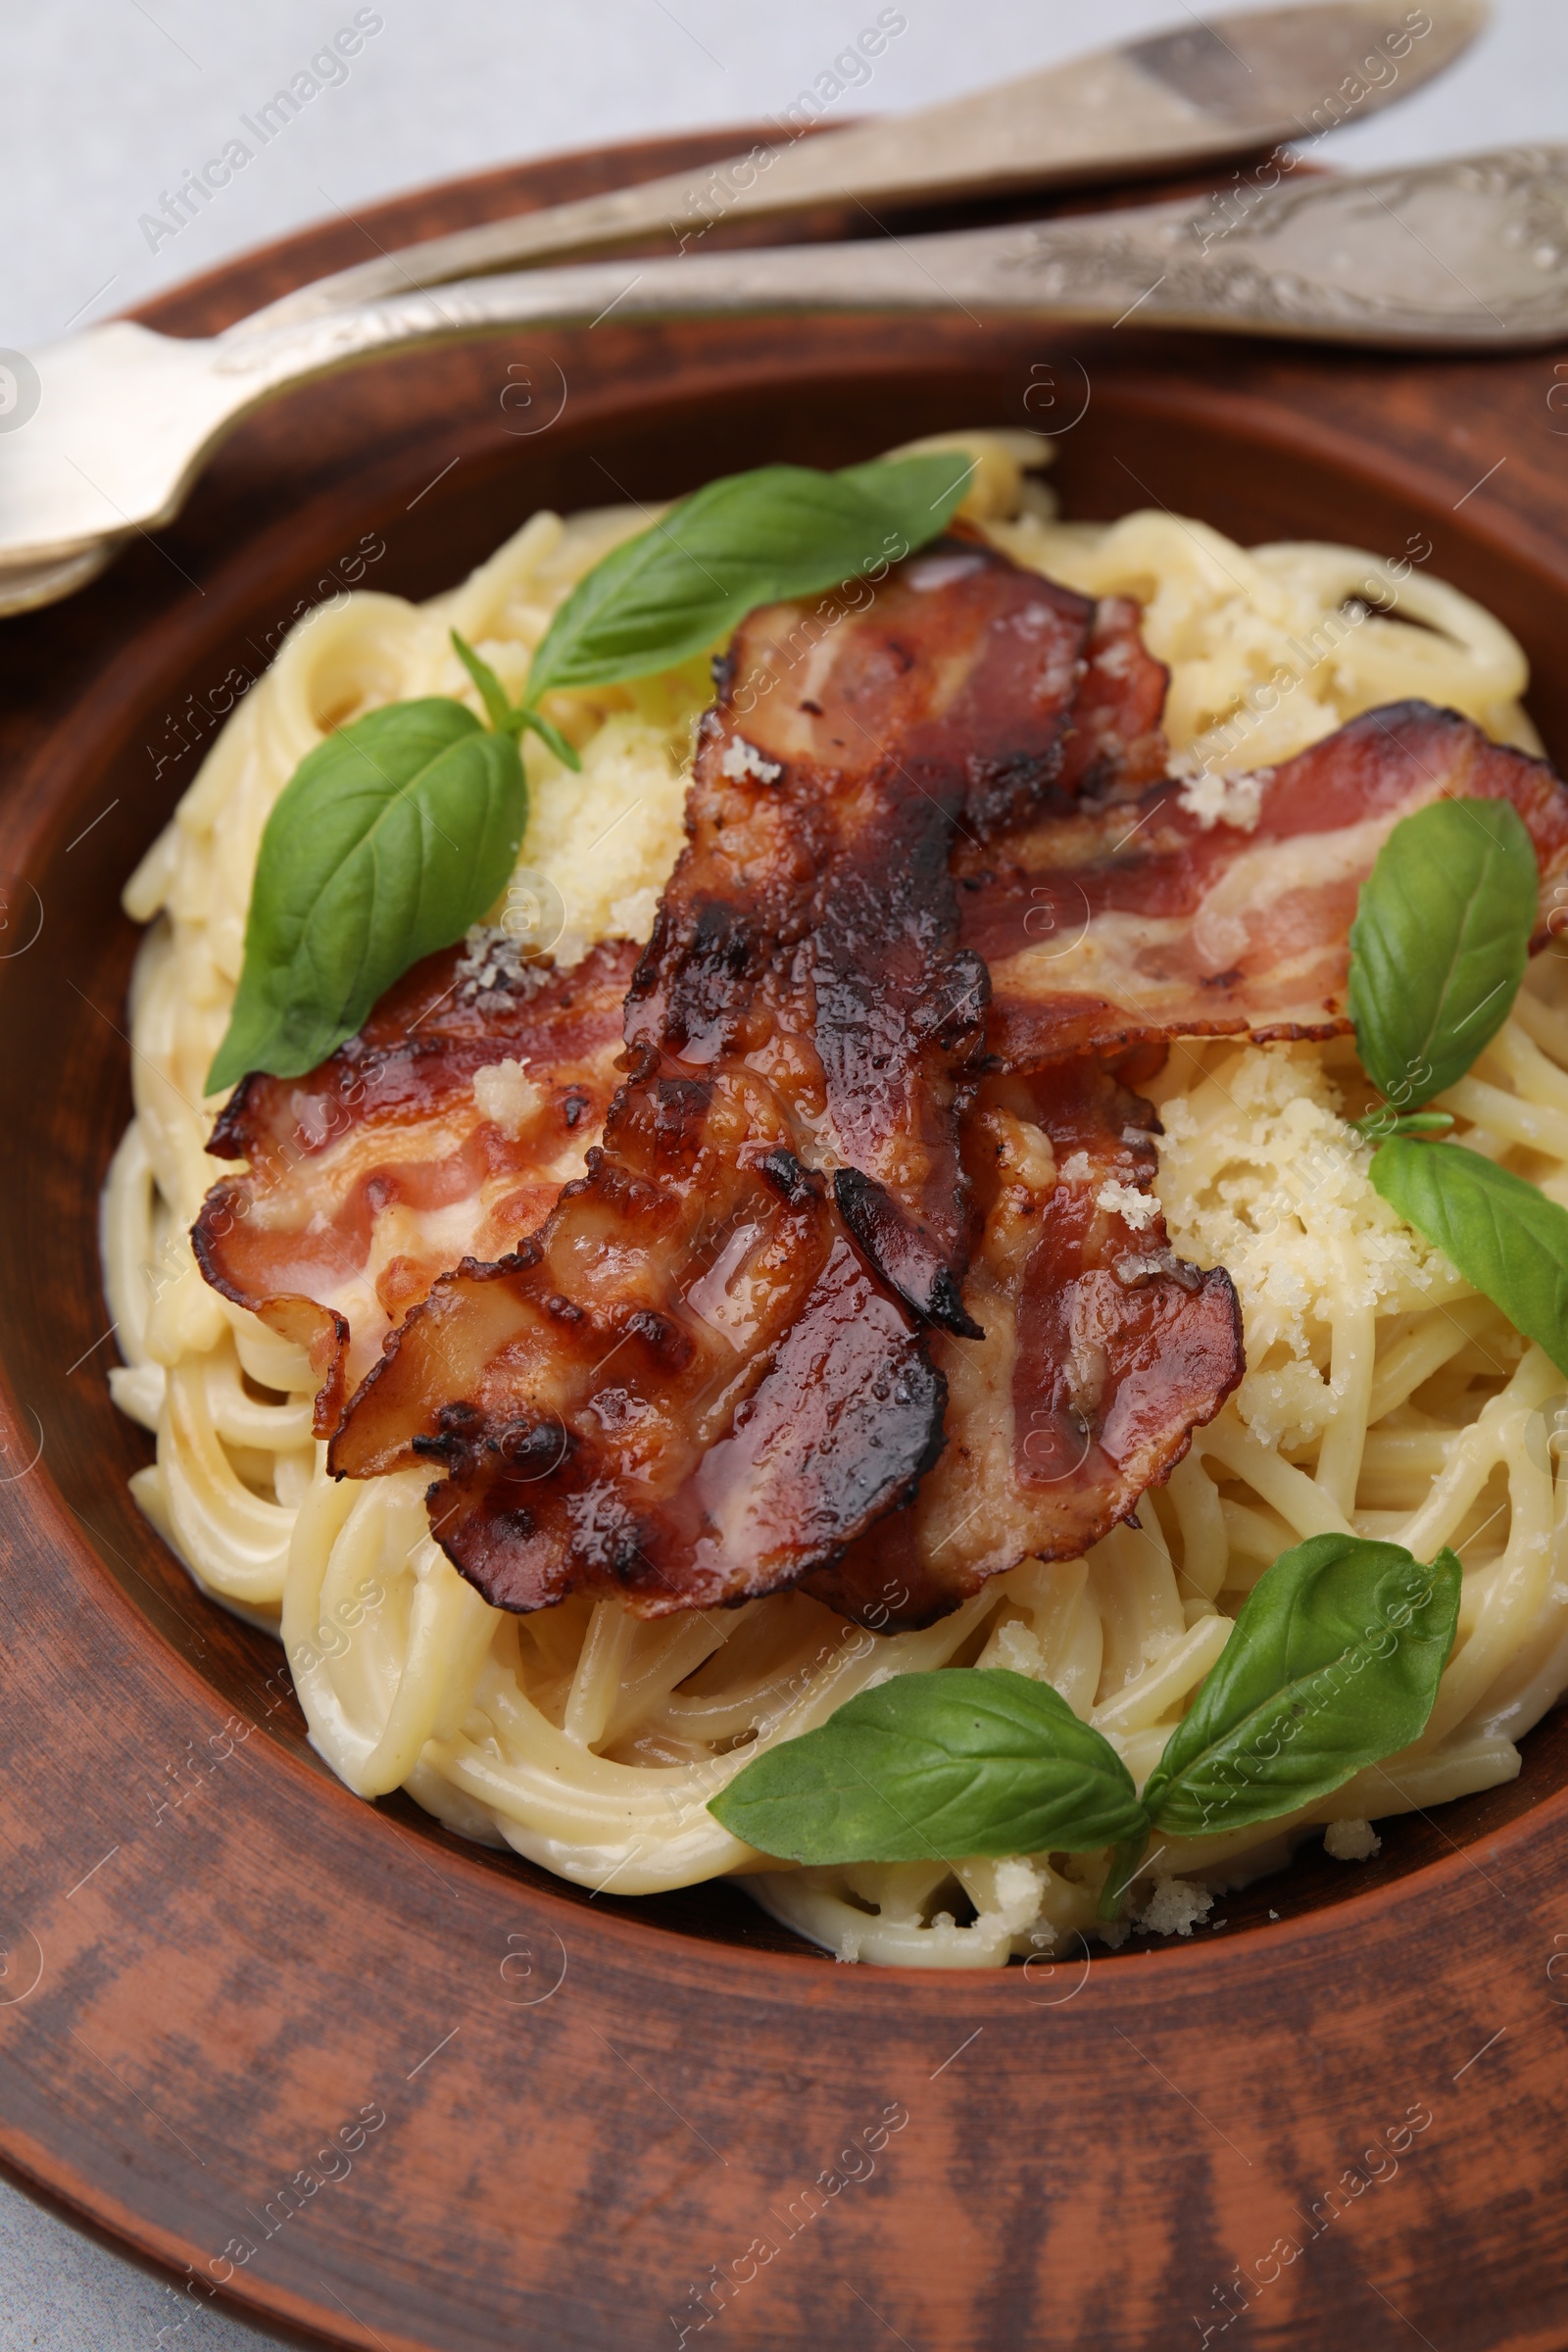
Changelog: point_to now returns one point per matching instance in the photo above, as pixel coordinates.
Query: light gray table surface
(105, 104)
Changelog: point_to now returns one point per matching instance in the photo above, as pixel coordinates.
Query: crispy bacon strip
(1115, 742)
(375, 1173)
(706, 1373)
(948, 701)
(1116, 924)
(1103, 1352)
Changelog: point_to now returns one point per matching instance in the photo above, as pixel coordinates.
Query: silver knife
(1215, 87)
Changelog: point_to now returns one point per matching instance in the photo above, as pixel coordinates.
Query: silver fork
(1466, 253)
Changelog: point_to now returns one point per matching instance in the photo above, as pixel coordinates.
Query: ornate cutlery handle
(1468, 254)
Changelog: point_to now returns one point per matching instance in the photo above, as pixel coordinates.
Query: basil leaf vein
(1333, 1664)
(750, 539)
(1439, 942)
(1502, 1233)
(388, 841)
(968, 1760)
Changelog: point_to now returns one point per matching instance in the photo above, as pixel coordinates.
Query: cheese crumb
(506, 1096)
(633, 915)
(1075, 1170)
(1016, 1645)
(492, 960)
(1351, 1840)
(1134, 1265)
(1174, 1908)
(743, 759)
(1220, 800)
(1016, 1886)
(1126, 1201)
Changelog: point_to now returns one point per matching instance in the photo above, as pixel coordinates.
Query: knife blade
(1166, 101)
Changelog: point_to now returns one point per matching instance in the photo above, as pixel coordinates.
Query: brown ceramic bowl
(589, 2104)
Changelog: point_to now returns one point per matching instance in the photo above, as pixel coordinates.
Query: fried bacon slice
(1115, 742)
(944, 703)
(1103, 1352)
(1116, 923)
(708, 1371)
(372, 1175)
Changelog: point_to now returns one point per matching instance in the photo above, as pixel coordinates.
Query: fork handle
(1470, 254)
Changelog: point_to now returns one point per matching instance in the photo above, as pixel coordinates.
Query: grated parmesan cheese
(633, 915)
(743, 759)
(1351, 1840)
(1016, 1645)
(1174, 1908)
(1216, 799)
(607, 839)
(1259, 1174)
(1134, 1264)
(1126, 1201)
(508, 1096)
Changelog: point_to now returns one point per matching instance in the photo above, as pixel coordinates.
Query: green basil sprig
(387, 842)
(1438, 950)
(1333, 1664)
(508, 717)
(1508, 1239)
(1438, 947)
(399, 830)
(751, 539)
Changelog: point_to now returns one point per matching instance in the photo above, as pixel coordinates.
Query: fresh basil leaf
(1439, 944)
(751, 539)
(968, 1760)
(1501, 1232)
(510, 719)
(1333, 1664)
(889, 484)
(388, 841)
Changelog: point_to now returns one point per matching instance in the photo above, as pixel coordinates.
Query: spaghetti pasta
(1382, 1393)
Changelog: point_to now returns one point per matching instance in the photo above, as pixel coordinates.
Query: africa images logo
(326, 71)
